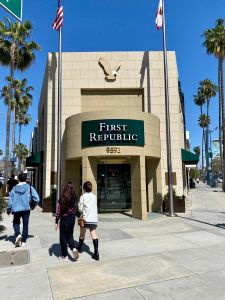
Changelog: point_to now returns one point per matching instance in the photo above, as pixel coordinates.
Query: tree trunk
(19, 133)
(207, 141)
(12, 55)
(204, 141)
(202, 150)
(13, 136)
(203, 138)
(220, 114)
(19, 159)
(223, 120)
(7, 160)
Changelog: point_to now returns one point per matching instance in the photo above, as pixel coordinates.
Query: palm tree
(23, 119)
(22, 153)
(207, 89)
(200, 100)
(6, 95)
(214, 41)
(23, 99)
(1, 152)
(16, 51)
(197, 150)
(204, 122)
(23, 93)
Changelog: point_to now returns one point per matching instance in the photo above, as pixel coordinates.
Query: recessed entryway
(113, 187)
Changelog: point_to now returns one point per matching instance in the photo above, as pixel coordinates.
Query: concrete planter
(49, 205)
(179, 204)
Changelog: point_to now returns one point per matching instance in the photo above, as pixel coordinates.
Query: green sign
(14, 7)
(117, 132)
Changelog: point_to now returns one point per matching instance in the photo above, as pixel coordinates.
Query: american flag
(59, 17)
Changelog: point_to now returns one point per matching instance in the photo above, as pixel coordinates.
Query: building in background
(114, 132)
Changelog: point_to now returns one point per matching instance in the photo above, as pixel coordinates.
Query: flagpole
(168, 135)
(59, 131)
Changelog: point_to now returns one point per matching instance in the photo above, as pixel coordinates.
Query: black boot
(79, 248)
(96, 254)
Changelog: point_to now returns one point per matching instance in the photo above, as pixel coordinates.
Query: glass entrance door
(114, 187)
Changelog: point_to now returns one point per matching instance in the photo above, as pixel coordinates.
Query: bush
(2, 200)
(194, 173)
(178, 200)
(2, 204)
(3, 192)
(2, 207)
(166, 196)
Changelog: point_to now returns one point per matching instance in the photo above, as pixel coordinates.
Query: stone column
(138, 188)
(154, 185)
(72, 173)
(89, 171)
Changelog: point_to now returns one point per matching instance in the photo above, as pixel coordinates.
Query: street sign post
(14, 7)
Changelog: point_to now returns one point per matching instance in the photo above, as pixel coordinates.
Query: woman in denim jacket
(19, 205)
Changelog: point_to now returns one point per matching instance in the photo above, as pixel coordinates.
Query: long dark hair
(68, 198)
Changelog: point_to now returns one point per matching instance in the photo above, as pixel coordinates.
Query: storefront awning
(35, 160)
(189, 158)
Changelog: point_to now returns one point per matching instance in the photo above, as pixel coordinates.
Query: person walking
(19, 205)
(65, 221)
(11, 182)
(88, 208)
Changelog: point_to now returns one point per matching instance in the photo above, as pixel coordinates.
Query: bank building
(113, 129)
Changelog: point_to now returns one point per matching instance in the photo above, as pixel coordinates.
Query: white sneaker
(75, 254)
(18, 240)
(63, 258)
(23, 244)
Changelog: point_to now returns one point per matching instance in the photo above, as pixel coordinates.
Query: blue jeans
(25, 214)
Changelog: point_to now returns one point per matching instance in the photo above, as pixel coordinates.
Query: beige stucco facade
(137, 93)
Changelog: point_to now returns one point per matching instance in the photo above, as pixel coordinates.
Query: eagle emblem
(110, 73)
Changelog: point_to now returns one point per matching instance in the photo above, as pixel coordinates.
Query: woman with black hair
(88, 207)
(65, 220)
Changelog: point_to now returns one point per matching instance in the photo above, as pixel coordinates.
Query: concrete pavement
(161, 258)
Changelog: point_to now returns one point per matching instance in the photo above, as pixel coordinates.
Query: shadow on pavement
(86, 249)
(11, 238)
(202, 222)
(222, 225)
(55, 250)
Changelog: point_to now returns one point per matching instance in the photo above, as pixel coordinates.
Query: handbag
(81, 221)
(32, 203)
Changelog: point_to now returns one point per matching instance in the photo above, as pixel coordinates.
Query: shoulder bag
(32, 203)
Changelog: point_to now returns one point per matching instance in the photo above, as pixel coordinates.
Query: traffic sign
(14, 7)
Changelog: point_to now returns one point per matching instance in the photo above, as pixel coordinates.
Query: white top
(88, 205)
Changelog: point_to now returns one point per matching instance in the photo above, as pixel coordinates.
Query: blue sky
(125, 25)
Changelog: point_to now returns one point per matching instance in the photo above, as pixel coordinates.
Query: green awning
(35, 160)
(189, 158)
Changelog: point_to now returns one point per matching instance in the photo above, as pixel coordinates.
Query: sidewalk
(162, 258)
